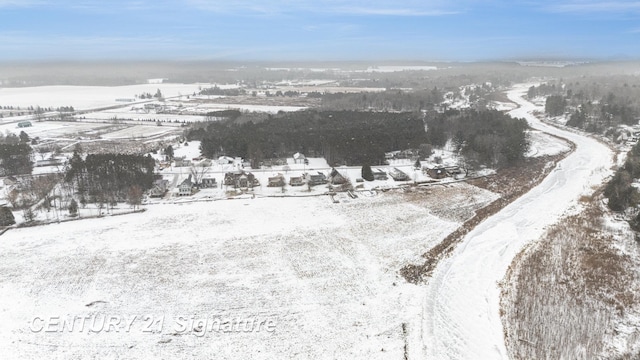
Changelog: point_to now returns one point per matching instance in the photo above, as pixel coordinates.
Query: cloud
(344, 7)
(595, 7)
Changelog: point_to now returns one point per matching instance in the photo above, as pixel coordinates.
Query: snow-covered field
(543, 144)
(72, 130)
(125, 114)
(56, 129)
(88, 97)
(461, 311)
(321, 277)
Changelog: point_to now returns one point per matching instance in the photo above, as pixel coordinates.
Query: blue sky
(465, 30)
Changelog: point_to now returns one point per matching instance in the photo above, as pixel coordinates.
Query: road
(461, 310)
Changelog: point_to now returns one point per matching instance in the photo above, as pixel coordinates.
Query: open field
(88, 97)
(325, 274)
(73, 130)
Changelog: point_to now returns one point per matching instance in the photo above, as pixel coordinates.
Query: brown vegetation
(565, 292)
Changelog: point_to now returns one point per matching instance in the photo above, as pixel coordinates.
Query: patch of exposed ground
(574, 294)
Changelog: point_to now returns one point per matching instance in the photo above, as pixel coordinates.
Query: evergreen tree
(73, 208)
(169, 152)
(24, 137)
(367, 174)
(6, 217)
(417, 165)
(555, 105)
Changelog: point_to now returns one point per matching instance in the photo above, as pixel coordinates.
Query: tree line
(390, 100)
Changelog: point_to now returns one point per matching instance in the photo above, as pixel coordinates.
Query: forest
(15, 155)
(620, 192)
(485, 137)
(341, 137)
(390, 100)
(108, 178)
(595, 104)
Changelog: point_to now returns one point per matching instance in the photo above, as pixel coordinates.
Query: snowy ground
(543, 144)
(88, 97)
(77, 130)
(323, 276)
(461, 311)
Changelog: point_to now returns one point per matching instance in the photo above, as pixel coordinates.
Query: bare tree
(13, 198)
(198, 172)
(134, 196)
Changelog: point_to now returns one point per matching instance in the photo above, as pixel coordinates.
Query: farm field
(88, 97)
(325, 274)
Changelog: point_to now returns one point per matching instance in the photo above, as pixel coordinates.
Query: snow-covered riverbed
(461, 312)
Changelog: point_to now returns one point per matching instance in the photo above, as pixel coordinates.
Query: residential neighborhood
(229, 176)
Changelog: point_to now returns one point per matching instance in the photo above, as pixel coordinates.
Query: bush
(6, 217)
(367, 174)
(73, 208)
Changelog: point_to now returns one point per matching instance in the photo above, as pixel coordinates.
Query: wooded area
(487, 137)
(341, 137)
(15, 155)
(355, 138)
(107, 178)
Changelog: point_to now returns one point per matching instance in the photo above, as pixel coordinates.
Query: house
(208, 182)
(244, 182)
(24, 124)
(48, 162)
(273, 162)
(316, 179)
(185, 188)
(159, 188)
(240, 179)
(335, 178)
(182, 161)
(299, 158)
(453, 170)
(379, 175)
(296, 181)
(225, 160)
(437, 172)
(277, 181)
(392, 154)
(398, 175)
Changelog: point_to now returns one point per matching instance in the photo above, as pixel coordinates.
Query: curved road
(461, 310)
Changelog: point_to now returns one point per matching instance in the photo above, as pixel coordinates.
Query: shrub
(6, 217)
